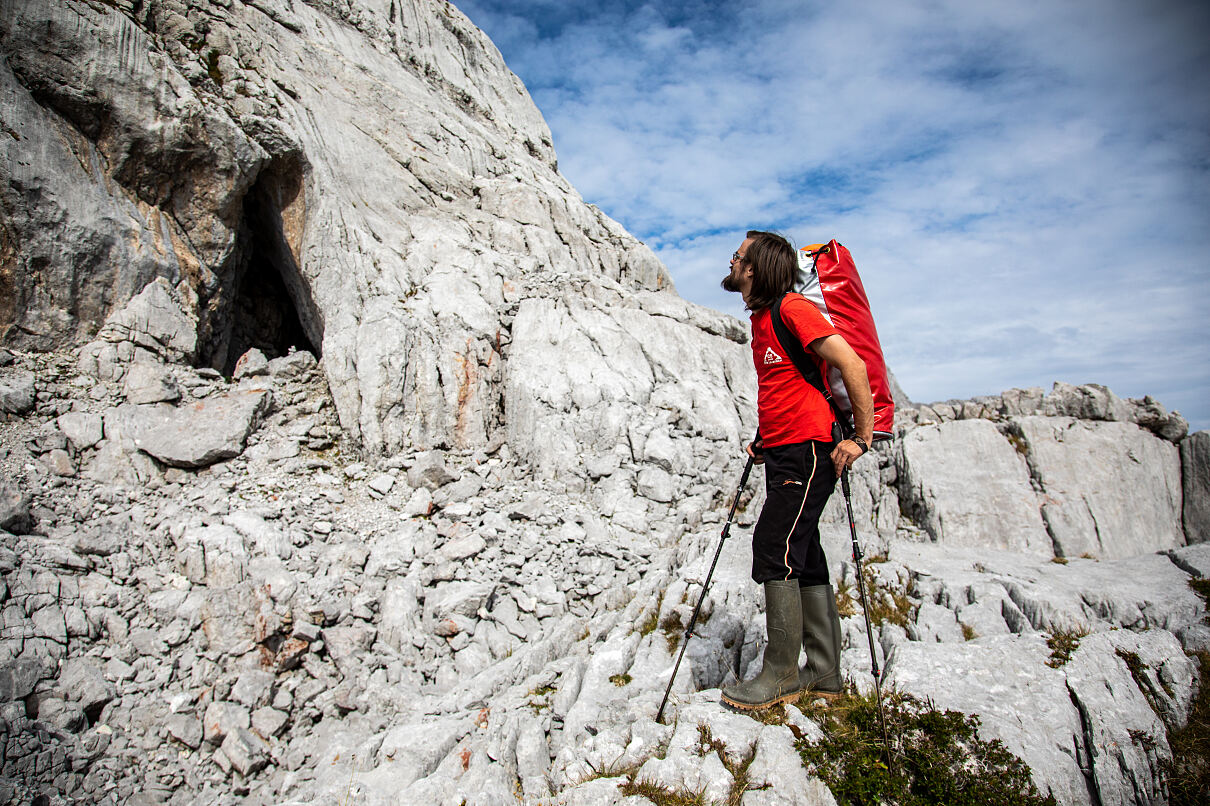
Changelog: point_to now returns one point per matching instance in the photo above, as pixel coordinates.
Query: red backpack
(832, 283)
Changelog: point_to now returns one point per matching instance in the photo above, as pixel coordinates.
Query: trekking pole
(743, 480)
(869, 630)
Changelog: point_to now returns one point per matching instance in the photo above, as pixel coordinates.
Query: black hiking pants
(799, 478)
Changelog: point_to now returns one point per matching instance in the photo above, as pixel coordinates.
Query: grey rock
(1088, 402)
(251, 364)
(222, 719)
(463, 547)
(17, 392)
(292, 366)
(18, 677)
(269, 722)
(150, 383)
(82, 681)
(1084, 469)
(347, 644)
(253, 688)
(456, 599)
(968, 486)
(382, 483)
(414, 750)
(429, 471)
(1195, 481)
(186, 729)
(83, 429)
(656, 484)
(59, 462)
(246, 751)
(207, 431)
(14, 508)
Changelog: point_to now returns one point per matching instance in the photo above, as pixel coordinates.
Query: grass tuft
(1188, 771)
(1062, 644)
(938, 756)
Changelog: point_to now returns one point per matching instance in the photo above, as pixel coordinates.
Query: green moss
(620, 680)
(1188, 771)
(939, 757)
(1059, 560)
(1062, 644)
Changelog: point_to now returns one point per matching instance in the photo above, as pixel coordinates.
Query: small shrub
(968, 633)
(1188, 771)
(620, 680)
(938, 757)
(1062, 644)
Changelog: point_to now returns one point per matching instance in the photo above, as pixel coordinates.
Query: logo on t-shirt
(772, 357)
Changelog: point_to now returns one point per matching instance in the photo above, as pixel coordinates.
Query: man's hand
(756, 449)
(845, 454)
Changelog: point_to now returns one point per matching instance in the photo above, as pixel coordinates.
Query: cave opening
(271, 308)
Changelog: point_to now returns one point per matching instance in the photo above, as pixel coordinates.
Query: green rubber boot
(821, 640)
(778, 678)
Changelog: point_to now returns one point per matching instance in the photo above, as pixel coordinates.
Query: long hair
(774, 268)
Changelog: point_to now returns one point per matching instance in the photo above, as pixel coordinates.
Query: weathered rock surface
(205, 432)
(451, 558)
(1195, 476)
(952, 499)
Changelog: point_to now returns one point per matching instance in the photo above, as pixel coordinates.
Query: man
(801, 468)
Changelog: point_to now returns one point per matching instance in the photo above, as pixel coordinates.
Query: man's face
(740, 278)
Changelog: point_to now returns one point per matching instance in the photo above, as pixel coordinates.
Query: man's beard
(729, 283)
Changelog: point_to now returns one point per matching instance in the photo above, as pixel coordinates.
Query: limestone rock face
(363, 179)
(437, 537)
(1195, 475)
(1108, 489)
(956, 499)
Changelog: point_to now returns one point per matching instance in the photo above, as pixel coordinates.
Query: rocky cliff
(348, 456)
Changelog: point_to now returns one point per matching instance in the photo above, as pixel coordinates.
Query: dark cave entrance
(271, 309)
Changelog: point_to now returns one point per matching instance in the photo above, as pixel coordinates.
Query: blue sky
(1024, 185)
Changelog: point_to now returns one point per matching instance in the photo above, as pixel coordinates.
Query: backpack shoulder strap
(806, 367)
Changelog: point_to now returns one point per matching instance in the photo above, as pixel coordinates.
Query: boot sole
(760, 706)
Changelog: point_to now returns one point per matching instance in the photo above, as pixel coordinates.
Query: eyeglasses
(736, 256)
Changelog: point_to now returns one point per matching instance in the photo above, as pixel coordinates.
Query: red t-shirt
(790, 409)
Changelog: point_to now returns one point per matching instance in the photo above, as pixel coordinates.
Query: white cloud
(1023, 185)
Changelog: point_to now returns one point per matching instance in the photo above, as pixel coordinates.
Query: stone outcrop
(384, 468)
(396, 230)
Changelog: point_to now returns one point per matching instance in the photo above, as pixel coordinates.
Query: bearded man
(802, 464)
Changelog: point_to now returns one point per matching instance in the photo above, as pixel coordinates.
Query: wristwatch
(865, 446)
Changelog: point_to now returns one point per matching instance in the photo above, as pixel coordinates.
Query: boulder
(208, 431)
(17, 393)
(150, 383)
(14, 508)
(83, 429)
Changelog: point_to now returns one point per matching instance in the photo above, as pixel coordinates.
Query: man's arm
(837, 352)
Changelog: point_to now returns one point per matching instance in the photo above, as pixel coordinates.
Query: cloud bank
(1023, 185)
